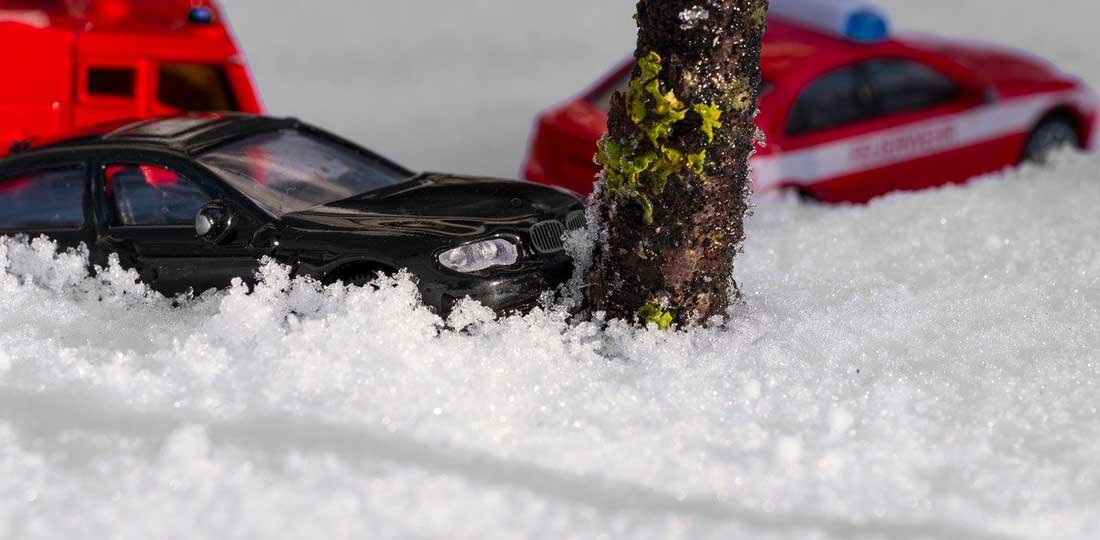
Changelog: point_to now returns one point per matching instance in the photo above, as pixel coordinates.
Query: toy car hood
(448, 205)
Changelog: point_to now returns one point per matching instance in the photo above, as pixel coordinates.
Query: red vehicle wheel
(1052, 134)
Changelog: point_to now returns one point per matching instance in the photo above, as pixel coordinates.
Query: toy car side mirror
(214, 222)
(990, 95)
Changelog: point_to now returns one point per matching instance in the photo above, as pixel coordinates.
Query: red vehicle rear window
(195, 87)
(115, 82)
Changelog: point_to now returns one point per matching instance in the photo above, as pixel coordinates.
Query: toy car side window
(901, 86)
(147, 195)
(47, 199)
(111, 82)
(835, 99)
(195, 87)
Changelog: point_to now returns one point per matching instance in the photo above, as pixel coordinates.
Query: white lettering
(921, 139)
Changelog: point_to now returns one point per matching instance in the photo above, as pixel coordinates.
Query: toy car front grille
(575, 220)
(546, 236)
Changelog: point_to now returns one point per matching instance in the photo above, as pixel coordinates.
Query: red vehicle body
(848, 121)
(70, 64)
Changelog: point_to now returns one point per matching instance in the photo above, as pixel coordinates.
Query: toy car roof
(189, 133)
(96, 16)
(787, 45)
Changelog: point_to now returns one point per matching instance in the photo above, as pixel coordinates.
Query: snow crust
(923, 367)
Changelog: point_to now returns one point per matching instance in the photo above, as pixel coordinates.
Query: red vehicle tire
(1055, 132)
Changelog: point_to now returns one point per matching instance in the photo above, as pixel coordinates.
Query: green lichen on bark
(639, 167)
(759, 16)
(712, 119)
(650, 314)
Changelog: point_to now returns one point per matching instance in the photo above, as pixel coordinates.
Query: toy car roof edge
(792, 41)
(189, 133)
(115, 16)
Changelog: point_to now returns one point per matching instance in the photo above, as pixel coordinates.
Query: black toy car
(192, 202)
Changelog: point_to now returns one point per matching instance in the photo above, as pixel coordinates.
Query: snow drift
(923, 367)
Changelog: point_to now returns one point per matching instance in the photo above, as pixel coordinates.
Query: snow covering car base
(193, 202)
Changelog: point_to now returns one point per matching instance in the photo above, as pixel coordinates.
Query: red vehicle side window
(902, 86)
(49, 199)
(146, 195)
(195, 87)
(835, 99)
(111, 82)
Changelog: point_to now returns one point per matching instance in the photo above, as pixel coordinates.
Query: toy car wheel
(1052, 135)
(362, 279)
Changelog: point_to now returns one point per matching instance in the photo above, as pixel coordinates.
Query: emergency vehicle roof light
(201, 15)
(867, 27)
(857, 20)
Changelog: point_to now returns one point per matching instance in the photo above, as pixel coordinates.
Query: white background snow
(922, 367)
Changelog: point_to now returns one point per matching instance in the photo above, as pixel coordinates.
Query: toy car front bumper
(502, 293)
(1091, 106)
(1094, 135)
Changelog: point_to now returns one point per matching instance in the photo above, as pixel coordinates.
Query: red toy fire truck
(76, 63)
(851, 112)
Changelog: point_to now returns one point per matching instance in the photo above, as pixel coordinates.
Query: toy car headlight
(480, 255)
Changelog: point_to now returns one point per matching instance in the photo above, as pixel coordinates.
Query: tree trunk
(674, 189)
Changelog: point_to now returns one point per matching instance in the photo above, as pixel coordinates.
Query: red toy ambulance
(75, 63)
(851, 112)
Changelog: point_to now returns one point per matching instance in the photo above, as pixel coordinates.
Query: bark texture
(674, 192)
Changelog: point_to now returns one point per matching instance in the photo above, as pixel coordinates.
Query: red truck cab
(70, 64)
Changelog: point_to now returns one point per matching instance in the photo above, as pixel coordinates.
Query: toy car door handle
(124, 249)
(266, 239)
(120, 244)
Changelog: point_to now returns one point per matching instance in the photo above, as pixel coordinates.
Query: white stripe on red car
(913, 141)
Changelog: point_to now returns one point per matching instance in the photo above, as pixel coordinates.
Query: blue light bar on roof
(201, 15)
(867, 27)
(855, 20)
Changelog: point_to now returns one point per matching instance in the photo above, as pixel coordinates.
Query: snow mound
(922, 367)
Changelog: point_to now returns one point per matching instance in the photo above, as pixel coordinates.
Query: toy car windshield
(289, 170)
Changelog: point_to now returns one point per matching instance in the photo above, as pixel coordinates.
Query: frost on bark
(674, 189)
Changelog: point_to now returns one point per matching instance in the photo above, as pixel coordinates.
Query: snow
(692, 16)
(921, 367)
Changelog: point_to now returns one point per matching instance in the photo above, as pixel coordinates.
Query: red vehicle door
(926, 133)
(38, 70)
(809, 146)
(873, 127)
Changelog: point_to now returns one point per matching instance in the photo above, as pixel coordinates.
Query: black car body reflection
(193, 202)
